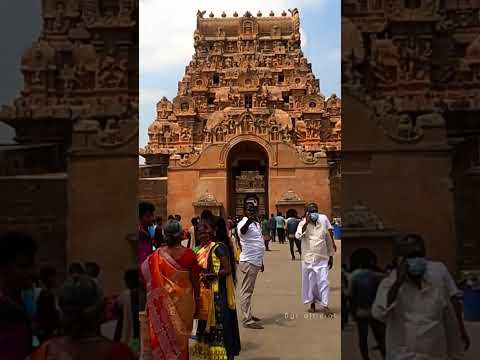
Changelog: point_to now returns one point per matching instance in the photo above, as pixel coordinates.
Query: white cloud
(149, 96)
(304, 39)
(166, 27)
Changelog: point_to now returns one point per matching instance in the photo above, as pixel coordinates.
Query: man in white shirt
(317, 257)
(251, 262)
(418, 302)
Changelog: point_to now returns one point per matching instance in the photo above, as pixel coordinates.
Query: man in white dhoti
(317, 257)
(418, 302)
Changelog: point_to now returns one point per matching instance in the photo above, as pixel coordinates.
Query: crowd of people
(40, 320)
(186, 281)
(413, 306)
(190, 275)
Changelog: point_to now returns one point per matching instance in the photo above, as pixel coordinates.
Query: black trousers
(378, 329)
(293, 241)
(281, 235)
(273, 233)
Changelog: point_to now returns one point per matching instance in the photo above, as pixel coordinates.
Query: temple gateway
(249, 124)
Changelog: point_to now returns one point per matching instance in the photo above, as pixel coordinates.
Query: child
(128, 325)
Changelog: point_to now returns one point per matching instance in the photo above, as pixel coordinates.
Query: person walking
(280, 224)
(265, 231)
(171, 274)
(192, 234)
(362, 289)
(318, 251)
(251, 262)
(272, 224)
(292, 225)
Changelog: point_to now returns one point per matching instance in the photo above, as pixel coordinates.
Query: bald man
(317, 257)
(421, 307)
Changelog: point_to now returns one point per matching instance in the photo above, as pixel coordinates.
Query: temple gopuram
(249, 124)
(410, 153)
(76, 132)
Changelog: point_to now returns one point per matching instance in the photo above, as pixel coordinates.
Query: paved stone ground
(290, 332)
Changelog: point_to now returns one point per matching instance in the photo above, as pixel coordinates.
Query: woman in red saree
(171, 274)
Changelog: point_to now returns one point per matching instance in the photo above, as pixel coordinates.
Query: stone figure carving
(241, 71)
(112, 72)
(249, 182)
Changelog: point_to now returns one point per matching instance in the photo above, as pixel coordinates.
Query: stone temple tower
(249, 122)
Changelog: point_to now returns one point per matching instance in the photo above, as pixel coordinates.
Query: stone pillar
(102, 195)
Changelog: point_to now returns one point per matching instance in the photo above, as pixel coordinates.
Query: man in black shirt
(292, 225)
(273, 227)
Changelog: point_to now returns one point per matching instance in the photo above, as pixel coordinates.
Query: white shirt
(420, 323)
(317, 244)
(253, 245)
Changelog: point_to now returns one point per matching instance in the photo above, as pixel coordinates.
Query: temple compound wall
(70, 179)
(249, 123)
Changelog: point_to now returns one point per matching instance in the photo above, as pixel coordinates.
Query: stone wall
(154, 191)
(37, 205)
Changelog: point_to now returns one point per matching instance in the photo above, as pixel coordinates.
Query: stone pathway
(290, 332)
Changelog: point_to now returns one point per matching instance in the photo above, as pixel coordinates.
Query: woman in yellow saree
(171, 274)
(218, 336)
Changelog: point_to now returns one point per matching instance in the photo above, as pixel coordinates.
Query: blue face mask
(417, 266)
(314, 216)
(151, 231)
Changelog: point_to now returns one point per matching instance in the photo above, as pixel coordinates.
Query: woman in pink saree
(171, 274)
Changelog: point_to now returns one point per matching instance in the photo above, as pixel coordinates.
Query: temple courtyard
(290, 332)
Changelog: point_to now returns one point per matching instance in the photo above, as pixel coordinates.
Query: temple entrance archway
(247, 177)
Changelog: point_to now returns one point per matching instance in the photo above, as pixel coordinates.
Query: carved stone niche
(361, 217)
(248, 81)
(298, 82)
(200, 83)
(313, 104)
(362, 229)
(207, 201)
(164, 108)
(249, 26)
(290, 200)
(250, 182)
(184, 106)
(333, 102)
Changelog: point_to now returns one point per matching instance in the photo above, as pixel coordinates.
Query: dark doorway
(247, 177)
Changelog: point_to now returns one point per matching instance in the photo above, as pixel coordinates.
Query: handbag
(204, 303)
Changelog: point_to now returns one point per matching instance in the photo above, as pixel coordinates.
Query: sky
(166, 43)
(20, 25)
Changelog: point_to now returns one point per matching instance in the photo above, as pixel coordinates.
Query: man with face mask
(317, 257)
(421, 307)
(251, 262)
